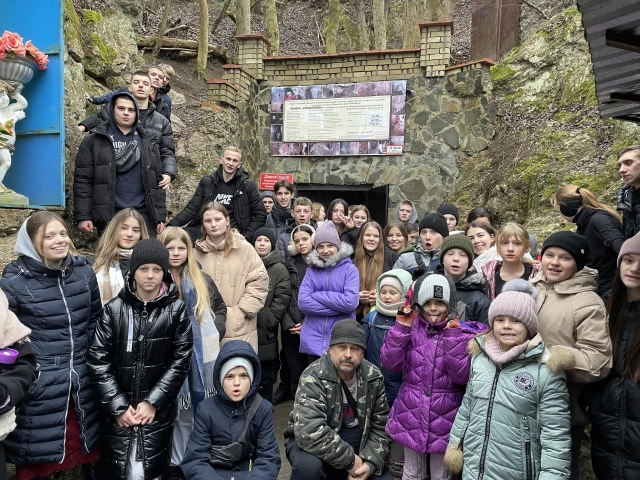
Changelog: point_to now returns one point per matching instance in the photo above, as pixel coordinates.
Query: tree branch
(220, 16)
(536, 9)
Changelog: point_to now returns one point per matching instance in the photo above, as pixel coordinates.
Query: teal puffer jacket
(514, 422)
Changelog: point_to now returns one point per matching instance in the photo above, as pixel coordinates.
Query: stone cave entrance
(376, 199)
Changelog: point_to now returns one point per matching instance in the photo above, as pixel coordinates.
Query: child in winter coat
(613, 404)
(221, 420)
(329, 292)
(139, 358)
(512, 244)
(428, 344)
(456, 264)
(572, 317)
(426, 256)
(392, 288)
(275, 306)
(514, 421)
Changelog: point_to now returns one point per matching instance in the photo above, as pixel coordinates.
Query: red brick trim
(342, 54)
(249, 37)
(484, 61)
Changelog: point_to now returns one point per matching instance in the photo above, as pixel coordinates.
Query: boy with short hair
(302, 214)
(139, 358)
(221, 419)
(283, 208)
(426, 256)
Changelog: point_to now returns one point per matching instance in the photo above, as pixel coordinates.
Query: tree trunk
(379, 25)
(203, 39)
(363, 31)
(333, 23)
(410, 33)
(149, 42)
(220, 16)
(243, 17)
(272, 31)
(163, 27)
(434, 11)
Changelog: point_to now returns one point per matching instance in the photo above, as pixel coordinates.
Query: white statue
(10, 113)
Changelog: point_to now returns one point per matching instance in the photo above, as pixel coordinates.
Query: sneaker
(282, 394)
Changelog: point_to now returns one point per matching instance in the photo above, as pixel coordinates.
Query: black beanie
(435, 221)
(449, 209)
(150, 250)
(348, 331)
(265, 232)
(575, 244)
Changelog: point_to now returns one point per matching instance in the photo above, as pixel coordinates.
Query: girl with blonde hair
(371, 260)
(599, 224)
(200, 294)
(513, 245)
(319, 214)
(236, 269)
(113, 253)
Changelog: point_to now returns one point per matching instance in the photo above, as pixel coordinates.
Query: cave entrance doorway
(375, 199)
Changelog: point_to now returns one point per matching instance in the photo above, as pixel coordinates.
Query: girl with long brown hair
(613, 405)
(395, 236)
(371, 260)
(599, 224)
(113, 253)
(236, 269)
(208, 315)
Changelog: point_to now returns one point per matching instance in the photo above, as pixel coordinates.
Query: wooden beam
(623, 40)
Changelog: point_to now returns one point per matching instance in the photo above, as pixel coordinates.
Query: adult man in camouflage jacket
(336, 428)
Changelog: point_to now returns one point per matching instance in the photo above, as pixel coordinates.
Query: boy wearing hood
(407, 212)
(119, 166)
(235, 415)
(139, 358)
(275, 306)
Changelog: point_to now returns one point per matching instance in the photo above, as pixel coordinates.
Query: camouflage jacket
(316, 417)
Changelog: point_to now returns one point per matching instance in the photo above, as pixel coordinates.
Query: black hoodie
(129, 191)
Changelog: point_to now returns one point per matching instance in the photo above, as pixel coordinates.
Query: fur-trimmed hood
(557, 358)
(314, 260)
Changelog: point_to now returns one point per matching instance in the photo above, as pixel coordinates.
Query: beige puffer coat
(571, 315)
(243, 283)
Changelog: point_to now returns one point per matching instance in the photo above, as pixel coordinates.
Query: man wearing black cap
(325, 437)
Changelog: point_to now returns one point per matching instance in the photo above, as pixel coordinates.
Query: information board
(268, 180)
(338, 119)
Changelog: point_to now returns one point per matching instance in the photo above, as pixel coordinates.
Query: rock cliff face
(548, 131)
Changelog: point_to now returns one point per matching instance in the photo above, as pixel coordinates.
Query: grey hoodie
(24, 246)
(414, 212)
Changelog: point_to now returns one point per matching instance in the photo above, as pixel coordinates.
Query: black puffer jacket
(153, 371)
(152, 122)
(472, 301)
(248, 210)
(94, 183)
(275, 306)
(296, 267)
(61, 306)
(163, 104)
(629, 205)
(605, 237)
(613, 407)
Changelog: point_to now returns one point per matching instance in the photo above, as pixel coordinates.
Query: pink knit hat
(630, 246)
(326, 233)
(517, 300)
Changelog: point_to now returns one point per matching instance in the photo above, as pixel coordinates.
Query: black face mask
(570, 208)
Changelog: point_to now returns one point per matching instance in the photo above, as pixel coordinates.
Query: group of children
(166, 351)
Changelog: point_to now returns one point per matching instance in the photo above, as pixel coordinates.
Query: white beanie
(235, 362)
(433, 286)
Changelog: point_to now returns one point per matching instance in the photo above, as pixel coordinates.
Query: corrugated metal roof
(612, 28)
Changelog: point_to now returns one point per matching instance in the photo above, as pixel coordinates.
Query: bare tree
(163, 27)
(243, 17)
(220, 16)
(272, 31)
(379, 25)
(410, 33)
(363, 31)
(333, 24)
(203, 39)
(434, 10)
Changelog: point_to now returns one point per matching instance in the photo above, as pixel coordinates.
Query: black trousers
(305, 466)
(266, 380)
(295, 360)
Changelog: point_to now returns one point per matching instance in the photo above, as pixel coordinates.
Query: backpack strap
(419, 260)
(252, 411)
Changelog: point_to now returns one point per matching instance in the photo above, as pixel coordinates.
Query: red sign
(268, 180)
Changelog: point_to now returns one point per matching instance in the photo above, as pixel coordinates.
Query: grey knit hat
(630, 246)
(348, 331)
(517, 300)
(235, 362)
(326, 233)
(432, 286)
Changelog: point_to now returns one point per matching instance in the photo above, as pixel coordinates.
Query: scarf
(111, 282)
(206, 346)
(390, 310)
(497, 355)
(11, 329)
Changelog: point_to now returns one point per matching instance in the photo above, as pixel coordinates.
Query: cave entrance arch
(376, 199)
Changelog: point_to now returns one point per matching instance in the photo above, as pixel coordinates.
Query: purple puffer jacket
(329, 292)
(436, 369)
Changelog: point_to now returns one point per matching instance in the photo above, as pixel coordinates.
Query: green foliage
(107, 53)
(501, 73)
(91, 17)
